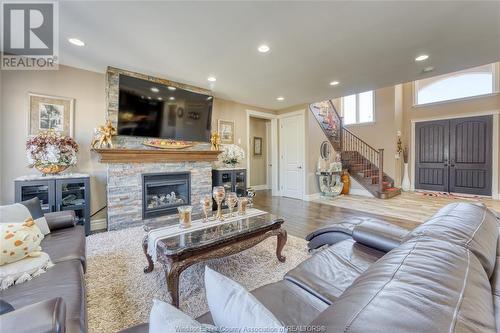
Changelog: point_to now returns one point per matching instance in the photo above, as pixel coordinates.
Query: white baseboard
(311, 197)
(260, 187)
(361, 192)
(98, 224)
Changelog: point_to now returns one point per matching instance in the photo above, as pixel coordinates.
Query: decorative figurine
(103, 136)
(215, 140)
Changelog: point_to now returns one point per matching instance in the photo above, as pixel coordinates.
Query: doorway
(454, 155)
(292, 154)
(258, 153)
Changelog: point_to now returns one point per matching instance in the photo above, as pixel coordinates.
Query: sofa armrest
(60, 220)
(380, 236)
(43, 317)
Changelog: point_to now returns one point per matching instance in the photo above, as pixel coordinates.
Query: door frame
(302, 114)
(273, 143)
(495, 158)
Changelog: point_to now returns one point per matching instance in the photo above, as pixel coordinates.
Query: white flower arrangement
(231, 154)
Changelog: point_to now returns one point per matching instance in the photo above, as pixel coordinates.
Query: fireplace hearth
(162, 193)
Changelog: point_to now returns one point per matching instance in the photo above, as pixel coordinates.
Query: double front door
(454, 155)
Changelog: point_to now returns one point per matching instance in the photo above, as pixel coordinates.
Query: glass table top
(216, 233)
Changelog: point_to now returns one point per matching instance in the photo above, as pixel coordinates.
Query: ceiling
(364, 45)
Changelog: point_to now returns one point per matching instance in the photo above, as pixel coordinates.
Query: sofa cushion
(64, 280)
(66, 244)
(424, 285)
(300, 309)
(21, 211)
(470, 225)
(328, 273)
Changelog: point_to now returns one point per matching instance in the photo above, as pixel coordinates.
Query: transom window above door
(462, 84)
(358, 108)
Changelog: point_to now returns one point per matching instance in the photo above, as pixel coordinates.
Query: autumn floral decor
(50, 152)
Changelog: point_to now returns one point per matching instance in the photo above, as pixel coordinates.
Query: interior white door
(292, 156)
(269, 159)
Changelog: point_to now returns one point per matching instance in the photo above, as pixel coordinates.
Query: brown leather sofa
(444, 276)
(55, 300)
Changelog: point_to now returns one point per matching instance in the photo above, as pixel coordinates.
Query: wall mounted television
(150, 109)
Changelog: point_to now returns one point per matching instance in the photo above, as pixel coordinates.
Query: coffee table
(176, 253)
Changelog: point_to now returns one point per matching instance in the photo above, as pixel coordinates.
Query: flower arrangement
(51, 152)
(231, 154)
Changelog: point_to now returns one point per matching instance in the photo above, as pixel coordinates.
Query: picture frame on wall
(50, 112)
(257, 146)
(226, 131)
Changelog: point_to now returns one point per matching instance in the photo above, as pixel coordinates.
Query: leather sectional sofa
(444, 276)
(55, 300)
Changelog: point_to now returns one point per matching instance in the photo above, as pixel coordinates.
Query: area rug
(120, 295)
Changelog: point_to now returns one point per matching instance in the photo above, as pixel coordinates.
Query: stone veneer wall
(125, 190)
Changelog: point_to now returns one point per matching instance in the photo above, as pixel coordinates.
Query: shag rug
(119, 294)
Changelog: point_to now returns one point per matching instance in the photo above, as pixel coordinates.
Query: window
(358, 108)
(467, 83)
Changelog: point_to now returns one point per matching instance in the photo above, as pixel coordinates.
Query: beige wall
(258, 163)
(88, 90)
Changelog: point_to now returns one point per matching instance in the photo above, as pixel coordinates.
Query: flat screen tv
(149, 109)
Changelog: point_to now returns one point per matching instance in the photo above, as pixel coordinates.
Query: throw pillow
(23, 270)
(19, 240)
(233, 306)
(165, 317)
(19, 212)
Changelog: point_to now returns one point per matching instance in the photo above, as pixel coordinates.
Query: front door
(292, 156)
(454, 155)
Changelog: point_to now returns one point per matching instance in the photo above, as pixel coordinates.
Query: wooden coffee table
(177, 253)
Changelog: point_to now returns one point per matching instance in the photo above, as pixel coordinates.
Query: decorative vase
(51, 169)
(346, 180)
(406, 185)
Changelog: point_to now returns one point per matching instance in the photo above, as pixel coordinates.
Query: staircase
(364, 163)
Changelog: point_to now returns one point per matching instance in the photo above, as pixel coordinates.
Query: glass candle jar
(185, 216)
(242, 206)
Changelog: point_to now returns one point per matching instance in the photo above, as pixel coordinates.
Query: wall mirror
(325, 150)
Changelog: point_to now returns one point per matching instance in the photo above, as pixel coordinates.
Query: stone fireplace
(126, 195)
(162, 193)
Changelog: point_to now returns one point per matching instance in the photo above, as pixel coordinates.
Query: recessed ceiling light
(428, 69)
(76, 41)
(422, 57)
(334, 83)
(149, 97)
(160, 99)
(211, 79)
(155, 90)
(263, 48)
(171, 98)
(172, 88)
(280, 98)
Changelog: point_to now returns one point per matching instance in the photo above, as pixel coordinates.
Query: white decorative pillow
(233, 306)
(18, 212)
(19, 240)
(165, 317)
(23, 270)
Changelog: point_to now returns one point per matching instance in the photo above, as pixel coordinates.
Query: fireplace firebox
(162, 193)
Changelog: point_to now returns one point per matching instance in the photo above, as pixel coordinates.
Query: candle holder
(242, 206)
(206, 206)
(231, 201)
(219, 193)
(185, 216)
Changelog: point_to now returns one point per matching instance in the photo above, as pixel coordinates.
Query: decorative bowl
(51, 169)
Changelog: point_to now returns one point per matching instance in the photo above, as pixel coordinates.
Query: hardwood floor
(303, 217)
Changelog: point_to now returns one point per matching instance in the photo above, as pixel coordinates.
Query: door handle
(299, 167)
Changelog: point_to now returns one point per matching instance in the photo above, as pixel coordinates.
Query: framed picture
(257, 146)
(50, 112)
(226, 131)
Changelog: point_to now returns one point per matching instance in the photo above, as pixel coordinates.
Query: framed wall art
(50, 112)
(226, 131)
(257, 146)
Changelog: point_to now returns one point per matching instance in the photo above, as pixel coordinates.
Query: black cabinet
(233, 180)
(58, 194)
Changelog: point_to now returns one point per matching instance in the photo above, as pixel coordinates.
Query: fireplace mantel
(127, 155)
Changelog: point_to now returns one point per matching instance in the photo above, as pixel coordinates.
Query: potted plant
(50, 152)
(231, 155)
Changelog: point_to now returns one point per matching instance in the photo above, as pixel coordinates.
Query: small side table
(330, 184)
(67, 191)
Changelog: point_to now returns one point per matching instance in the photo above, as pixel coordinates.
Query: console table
(69, 191)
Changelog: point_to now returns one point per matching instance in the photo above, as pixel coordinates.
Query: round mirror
(325, 150)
